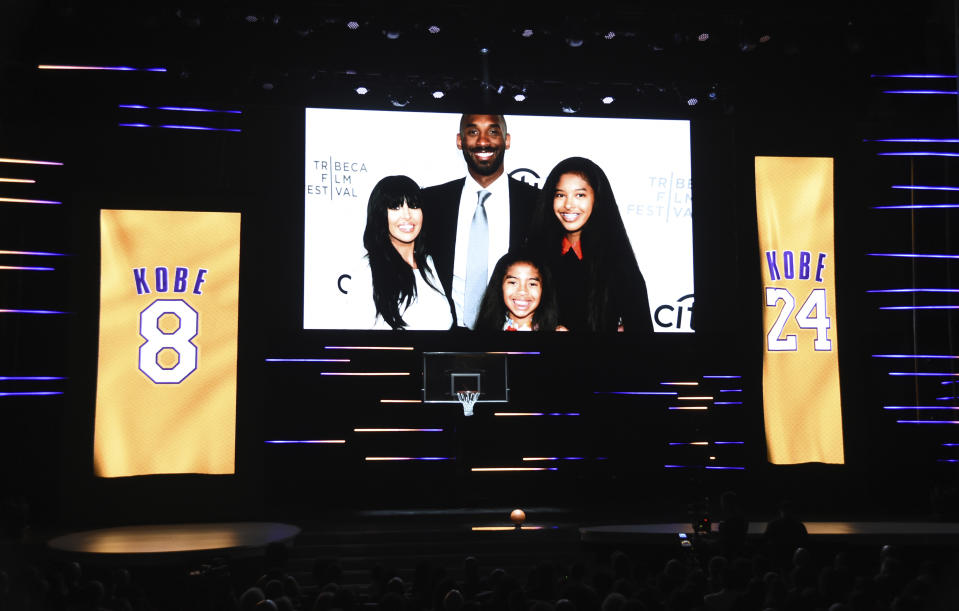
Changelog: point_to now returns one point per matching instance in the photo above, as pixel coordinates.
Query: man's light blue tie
(477, 260)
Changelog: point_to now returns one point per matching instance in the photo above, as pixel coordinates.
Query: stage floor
(153, 543)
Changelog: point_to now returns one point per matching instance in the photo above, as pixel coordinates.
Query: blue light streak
(927, 421)
(31, 252)
(27, 268)
(20, 200)
(918, 154)
(925, 187)
(200, 128)
(909, 373)
(718, 468)
(910, 255)
(14, 311)
(307, 360)
(727, 443)
(917, 407)
(918, 140)
(917, 207)
(722, 377)
(133, 106)
(189, 109)
(30, 378)
(306, 441)
(133, 124)
(633, 392)
(34, 393)
(727, 403)
(731, 390)
(914, 356)
(918, 75)
(920, 92)
(915, 290)
(928, 307)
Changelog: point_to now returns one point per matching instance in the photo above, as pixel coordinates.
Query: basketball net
(467, 400)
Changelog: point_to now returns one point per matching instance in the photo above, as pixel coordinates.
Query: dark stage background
(764, 83)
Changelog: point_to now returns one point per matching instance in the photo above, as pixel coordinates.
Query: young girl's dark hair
(492, 312)
(394, 285)
(611, 270)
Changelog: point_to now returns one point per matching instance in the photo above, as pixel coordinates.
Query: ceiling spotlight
(570, 108)
(692, 101)
(527, 33)
(520, 97)
(484, 51)
(433, 29)
(361, 90)
(399, 100)
(609, 99)
(391, 34)
(713, 92)
(610, 35)
(439, 94)
(574, 42)
(251, 18)
(353, 25)
(703, 37)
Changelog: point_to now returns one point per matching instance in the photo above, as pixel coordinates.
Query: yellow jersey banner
(801, 404)
(166, 374)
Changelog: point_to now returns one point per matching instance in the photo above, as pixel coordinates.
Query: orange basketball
(517, 516)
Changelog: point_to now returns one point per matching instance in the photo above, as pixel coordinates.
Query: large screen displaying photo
(347, 152)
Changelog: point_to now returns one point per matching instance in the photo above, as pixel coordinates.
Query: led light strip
(697, 408)
(19, 180)
(20, 200)
(679, 383)
(364, 373)
(928, 307)
(401, 400)
(12, 311)
(510, 469)
(915, 206)
(909, 255)
(106, 68)
(178, 109)
(397, 430)
(30, 378)
(505, 528)
(33, 393)
(31, 252)
(26, 268)
(367, 347)
(278, 360)
(921, 373)
(306, 441)
(405, 458)
(634, 392)
(927, 421)
(914, 356)
(694, 398)
(918, 407)
(925, 187)
(29, 161)
(915, 290)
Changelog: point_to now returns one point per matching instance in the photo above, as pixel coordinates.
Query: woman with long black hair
(578, 230)
(395, 287)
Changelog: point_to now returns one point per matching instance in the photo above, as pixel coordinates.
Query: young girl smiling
(519, 296)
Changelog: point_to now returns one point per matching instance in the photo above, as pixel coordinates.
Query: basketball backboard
(446, 373)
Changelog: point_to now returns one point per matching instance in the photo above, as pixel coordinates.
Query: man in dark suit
(473, 221)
